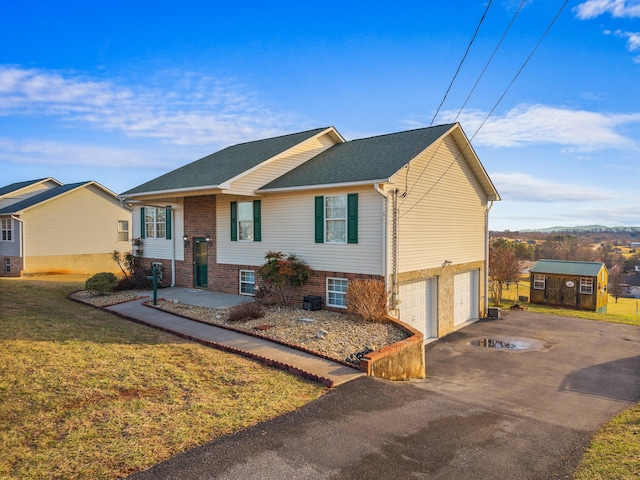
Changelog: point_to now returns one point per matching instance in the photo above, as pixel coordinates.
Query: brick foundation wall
(16, 266)
(226, 278)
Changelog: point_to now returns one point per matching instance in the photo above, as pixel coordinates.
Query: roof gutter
(324, 185)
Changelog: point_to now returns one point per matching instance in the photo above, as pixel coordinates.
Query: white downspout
(24, 259)
(486, 257)
(173, 246)
(385, 230)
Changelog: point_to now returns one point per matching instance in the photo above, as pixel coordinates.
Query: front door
(201, 263)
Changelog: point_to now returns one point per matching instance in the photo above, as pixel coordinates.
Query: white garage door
(465, 296)
(418, 305)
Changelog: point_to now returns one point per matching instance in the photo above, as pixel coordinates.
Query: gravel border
(334, 335)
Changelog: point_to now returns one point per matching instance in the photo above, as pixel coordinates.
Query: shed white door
(418, 305)
(465, 296)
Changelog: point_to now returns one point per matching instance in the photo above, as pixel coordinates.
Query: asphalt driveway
(482, 413)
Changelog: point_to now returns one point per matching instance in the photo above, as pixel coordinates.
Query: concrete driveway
(482, 413)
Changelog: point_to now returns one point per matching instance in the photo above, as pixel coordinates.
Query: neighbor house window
(586, 286)
(247, 282)
(7, 265)
(337, 292)
(123, 230)
(336, 218)
(155, 222)
(7, 232)
(538, 282)
(246, 221)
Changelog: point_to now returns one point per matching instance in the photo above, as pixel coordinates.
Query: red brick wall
(16, 267)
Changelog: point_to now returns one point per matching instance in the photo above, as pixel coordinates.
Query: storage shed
(570, 284)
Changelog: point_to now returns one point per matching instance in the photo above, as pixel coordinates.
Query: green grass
(614, 451)
(84, 394)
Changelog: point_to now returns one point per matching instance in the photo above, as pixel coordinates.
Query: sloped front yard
(84, 394)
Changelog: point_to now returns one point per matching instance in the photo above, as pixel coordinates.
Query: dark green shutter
(167, 229)
(319, 219)
(352, 218)
(143, 228)
(257, 225)
(234, 221)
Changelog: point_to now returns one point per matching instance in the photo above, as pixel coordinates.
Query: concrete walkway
(328, 372)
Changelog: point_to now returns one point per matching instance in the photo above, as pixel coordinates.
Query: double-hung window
(246, 221)
(247, 282)
(586, 286)
(123, 230)
(337, 292)
(155, 222)
(336, 218)
(538, 281)
(7, 232)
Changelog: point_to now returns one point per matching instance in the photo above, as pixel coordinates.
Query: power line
(493, 108)
(460, 64)
(495, 50)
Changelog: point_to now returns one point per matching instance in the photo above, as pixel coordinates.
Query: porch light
(185, 239)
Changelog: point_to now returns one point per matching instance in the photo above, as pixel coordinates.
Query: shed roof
(568, 267)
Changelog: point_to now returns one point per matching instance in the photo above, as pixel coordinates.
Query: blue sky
(121, 92)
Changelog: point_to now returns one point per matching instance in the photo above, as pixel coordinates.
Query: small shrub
(102, 283)
(284, 273)
(367, 299)
(246, 311)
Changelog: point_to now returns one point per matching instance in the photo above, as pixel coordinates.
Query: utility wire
(493, 109)
(495, 50)
(460, 64)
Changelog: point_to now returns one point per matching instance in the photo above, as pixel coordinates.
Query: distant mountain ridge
(584, 229)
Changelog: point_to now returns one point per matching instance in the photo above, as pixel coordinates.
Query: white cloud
(191, 110)
(526, 188)
(54, 154)
(616, 8)
(541, 124)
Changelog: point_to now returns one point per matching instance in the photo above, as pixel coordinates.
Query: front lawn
(84, 394)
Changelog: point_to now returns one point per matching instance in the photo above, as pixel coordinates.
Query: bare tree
(616, 279)
(503, 267)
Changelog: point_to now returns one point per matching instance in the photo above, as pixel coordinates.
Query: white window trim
(249, 220)
(155, 222)
(341, 219)
(241, 282)
(328, 297)
(586, 286)
(3, 229)
(127, 231)
(538, 284)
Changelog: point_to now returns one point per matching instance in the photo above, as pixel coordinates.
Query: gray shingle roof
(567, 267)
(224, 165)
(41, 197)
(366, 159)
(18, 185)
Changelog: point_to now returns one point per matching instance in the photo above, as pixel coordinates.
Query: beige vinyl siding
(281, 164)
(82, 221)
(160, 248)
(288, 226)
(448, 223)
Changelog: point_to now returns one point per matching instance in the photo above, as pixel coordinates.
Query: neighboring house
(570, 284)
(48, 227)
(409, 208)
